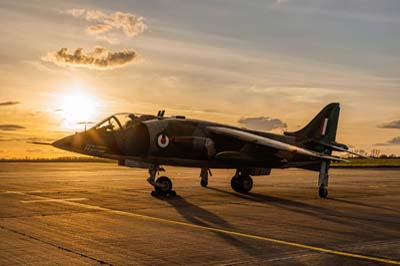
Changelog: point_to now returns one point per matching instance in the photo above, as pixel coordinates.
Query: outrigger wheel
(163, 187)
(204, 176)
(242, 183)
(204, 182)
(323, 192)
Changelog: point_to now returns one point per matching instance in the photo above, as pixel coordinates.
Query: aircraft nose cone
(64, 143)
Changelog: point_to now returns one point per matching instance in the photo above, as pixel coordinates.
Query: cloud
(27, 139)
(86, 123)
(392, 142)
(98, 29)
(100, 58)
(110, 40)
(34, 150)
(104, 24)
(392, 124)
(76, 12)
(262, 123)
(10, 127)
(9, 103)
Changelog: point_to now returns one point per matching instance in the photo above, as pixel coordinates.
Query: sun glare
(77, 109)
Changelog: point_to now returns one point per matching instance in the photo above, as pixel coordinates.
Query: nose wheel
(162, 185)
(242, 183)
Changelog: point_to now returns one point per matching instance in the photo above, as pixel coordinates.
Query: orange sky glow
(67, 64)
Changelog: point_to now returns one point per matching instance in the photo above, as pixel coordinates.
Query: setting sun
(76, 108)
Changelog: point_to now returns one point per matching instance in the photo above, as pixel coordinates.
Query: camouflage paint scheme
(158, 140)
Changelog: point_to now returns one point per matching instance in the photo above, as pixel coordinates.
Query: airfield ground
(97, 213)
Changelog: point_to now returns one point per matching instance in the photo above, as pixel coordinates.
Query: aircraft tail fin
(323, 127)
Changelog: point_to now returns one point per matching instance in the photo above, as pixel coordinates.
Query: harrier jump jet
(151, 141)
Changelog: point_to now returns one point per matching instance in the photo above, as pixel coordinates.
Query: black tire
(246, 184)
(166, 184)
(204, 182)
(235, 184)
(323, 192)
(242, 184)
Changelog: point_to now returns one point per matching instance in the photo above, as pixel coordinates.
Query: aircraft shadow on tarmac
(364, 205)
(344, 216)
(200, 216)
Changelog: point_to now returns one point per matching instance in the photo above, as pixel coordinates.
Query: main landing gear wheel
(204, 182)
(163, 187)
(323, 192)
(242, 184)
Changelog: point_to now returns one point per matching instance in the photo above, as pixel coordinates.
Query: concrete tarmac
(102, 214)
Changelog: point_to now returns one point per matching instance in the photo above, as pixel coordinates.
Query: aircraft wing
(275, 144)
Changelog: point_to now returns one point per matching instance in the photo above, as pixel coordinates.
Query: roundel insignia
(162, 141)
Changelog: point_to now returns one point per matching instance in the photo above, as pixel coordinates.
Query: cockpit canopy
(122, 121)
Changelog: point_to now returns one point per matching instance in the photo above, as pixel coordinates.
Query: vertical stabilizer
(322, 128)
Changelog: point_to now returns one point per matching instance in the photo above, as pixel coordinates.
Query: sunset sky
(270, 64)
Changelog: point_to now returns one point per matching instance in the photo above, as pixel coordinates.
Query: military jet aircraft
(151, 141)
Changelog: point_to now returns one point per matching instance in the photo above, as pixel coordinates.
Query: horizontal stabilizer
(342, 148)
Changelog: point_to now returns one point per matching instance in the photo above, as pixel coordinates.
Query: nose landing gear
(162, 185)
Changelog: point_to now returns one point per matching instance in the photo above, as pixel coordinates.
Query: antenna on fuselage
(160, 113)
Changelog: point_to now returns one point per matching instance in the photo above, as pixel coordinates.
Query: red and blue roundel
(162, 141)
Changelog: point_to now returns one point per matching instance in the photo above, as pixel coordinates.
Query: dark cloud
(100, 58)
(34, 150)
(38, 139)
(394, 141)
(393, 124)
(86, 123)
(262, 123)
(9, 103)
(103, 23)
(27, 139)
(10, 127)
(3, 139)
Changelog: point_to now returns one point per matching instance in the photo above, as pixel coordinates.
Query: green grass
(369, 163)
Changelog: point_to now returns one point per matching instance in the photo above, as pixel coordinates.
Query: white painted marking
(163, 141)
(53, 200)
(324, 127)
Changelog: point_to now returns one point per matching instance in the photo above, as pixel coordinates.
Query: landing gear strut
(241, 182)
(162, 185)
(204, 176)
(323, 180)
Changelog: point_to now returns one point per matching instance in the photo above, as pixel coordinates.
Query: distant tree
(375, 153)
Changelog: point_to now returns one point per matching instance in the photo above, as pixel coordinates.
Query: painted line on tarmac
(228, 232)
(53, 200)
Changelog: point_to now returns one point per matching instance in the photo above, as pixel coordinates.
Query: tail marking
(323, 126)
